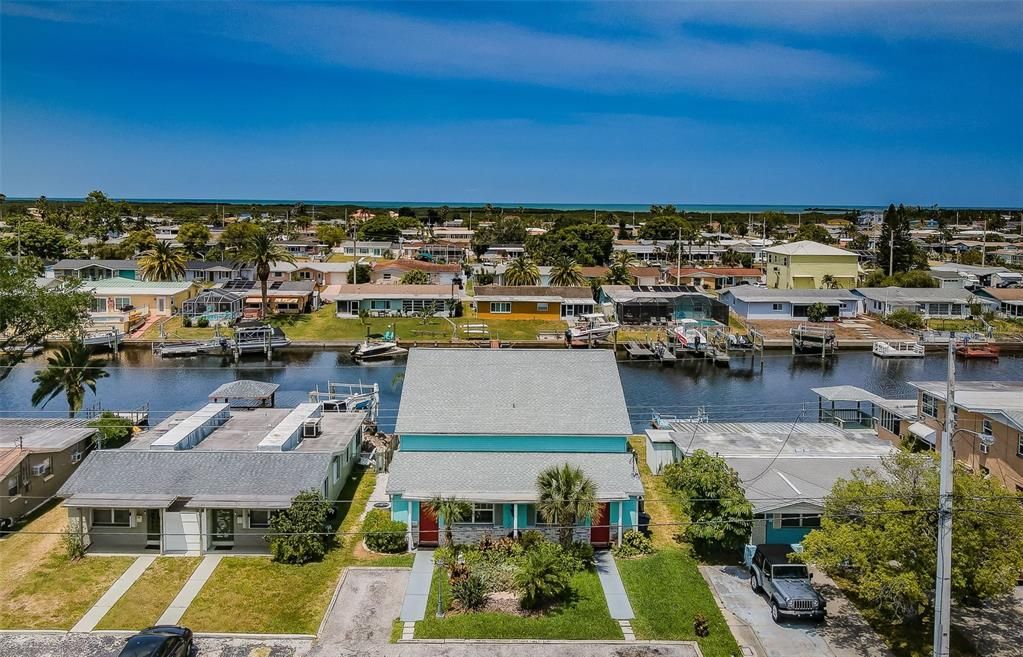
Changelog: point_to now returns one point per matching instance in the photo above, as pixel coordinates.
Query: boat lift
(348, 398)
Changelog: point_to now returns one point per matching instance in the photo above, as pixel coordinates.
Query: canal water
(778, 390)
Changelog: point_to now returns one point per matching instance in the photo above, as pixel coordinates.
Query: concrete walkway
(413, 607)
(91, 619)
(614, 590)
(191, 589)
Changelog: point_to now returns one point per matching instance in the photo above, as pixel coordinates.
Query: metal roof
(755, 439)
(72, 263)
(512, 391)
(776, 483)
(244, 389)
(118, 285)
(915, 294)
(751, 293)
(130, 473)
(807, 248)
(504, 476)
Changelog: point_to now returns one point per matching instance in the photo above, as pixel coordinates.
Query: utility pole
(678, 258)
(943, 580)
(983, 246)
(891, 250)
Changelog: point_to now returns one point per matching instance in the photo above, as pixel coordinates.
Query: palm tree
(163, 262)
(415, 277)
(566, 272)
(71, 370)
(566, 496)
(623, 259)
(263, 252)
(618, 274)
(828, 282)
(451, 510)
(522, 271)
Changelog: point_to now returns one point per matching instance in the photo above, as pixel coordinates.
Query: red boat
(976, 350)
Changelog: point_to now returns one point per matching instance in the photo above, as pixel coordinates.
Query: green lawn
(585, 616)
(40, 588)
(150, 595)
(266, 597)
(175, 331)
(666, 589)
(667, 592)
(325, 325)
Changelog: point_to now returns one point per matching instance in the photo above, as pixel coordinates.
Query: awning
(286, 300)
(122, 502)
(923, 432)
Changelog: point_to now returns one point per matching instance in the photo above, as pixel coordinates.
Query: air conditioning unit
(76, 457)
(39, 469)
(311, 428)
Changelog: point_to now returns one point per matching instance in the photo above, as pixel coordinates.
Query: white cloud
(395, 43)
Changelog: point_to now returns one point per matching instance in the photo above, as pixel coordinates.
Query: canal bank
(776, 387)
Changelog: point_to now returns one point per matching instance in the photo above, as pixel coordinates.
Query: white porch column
(515, 520)
(408, 507)
(621, 520)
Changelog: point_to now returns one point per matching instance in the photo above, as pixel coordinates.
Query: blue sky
(826, 102)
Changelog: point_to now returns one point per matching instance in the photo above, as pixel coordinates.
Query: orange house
(532, 302)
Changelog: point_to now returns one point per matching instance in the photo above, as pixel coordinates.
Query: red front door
(428, 534)
(600, 526)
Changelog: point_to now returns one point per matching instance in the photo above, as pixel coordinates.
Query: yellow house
(126, 301)
(532, 302)
(804, 265)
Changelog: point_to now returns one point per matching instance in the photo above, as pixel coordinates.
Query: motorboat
(898, 349)
(593, 326)
(372, 349)
(171, 349)
(979, 349)
(687, 333)
(109, 339)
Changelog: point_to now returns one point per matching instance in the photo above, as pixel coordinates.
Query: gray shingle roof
(519, 392)
(914, 294)
(130, 473)
(504, 476)
(244, 389)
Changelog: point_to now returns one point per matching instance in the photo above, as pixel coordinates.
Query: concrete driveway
(843, 634)
(363, 611)
(107, 645)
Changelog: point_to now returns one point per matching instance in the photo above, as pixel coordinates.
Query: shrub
(903, 318)
(383, 534)
(817, 312)
(530, 539)
(458, 572)
(470, 592)
(73, 544)
(582, 554)
(297, 534)
(634, 543)
(202, 322)
(186, 322)
(543, 578)
(114, 430)
(701, 627)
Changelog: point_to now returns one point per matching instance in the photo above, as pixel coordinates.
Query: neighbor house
(481, 425)
(210, 480)
(391, 271)
(850, 407)
(282, 298)
(715, 278)
(988, 423)
(114, 299)
(217, 271)
(640, 275)
(1007, 302)
(92, 270)
(650, 304)
(532, 302)
(436, 251)
(751, 302)
(37, 455)
(392, 300)
(804, 265)
(786, 469)
(369, 249)
(945, 303)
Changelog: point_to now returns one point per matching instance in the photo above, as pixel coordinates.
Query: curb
(198, 635)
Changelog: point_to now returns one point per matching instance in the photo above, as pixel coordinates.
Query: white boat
(170, 349)
(898, 349)
(687, 333)
(592, 326)
(371, 349)
(660, 421)
(110, 339)
(258, 337)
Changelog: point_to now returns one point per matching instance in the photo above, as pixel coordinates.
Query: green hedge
(384, 534)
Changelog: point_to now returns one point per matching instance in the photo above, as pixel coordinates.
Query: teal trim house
(481, 425)
(786, 469)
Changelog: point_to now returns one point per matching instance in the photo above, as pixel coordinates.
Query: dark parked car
(786, 584)
(160, 641)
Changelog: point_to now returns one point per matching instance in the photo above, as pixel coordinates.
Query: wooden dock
(637, 351)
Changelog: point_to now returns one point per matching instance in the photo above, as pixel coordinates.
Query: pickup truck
(786, 583)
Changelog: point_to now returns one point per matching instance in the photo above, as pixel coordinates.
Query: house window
(122, 302)
(1019, 446)
(111, 517)
(336, 463)
(500, 306)
(98, 305)
(800, 520)
(378, 304)
(482, 514)
(929, 405)
(776, 306)
(988, 429)
(259, 518)
(888, 421)
(541, 307)
(12, 487)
